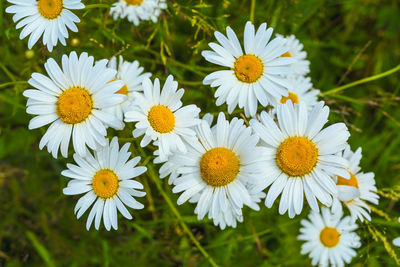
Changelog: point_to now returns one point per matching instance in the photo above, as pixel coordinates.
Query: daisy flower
(138, 10)
(329, 238)
(169, 168)
(356, 191)
(302, 158)
(72, 101)
(255, 75)
(49, 18)
(132, 75)
(300, 90)
(106, 180)
(301, 66)
(219, 167)
(161, 117)
(162, 4)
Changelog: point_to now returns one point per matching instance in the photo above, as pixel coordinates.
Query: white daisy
(330, 239)
(300, 90)
(220, 166)
(48, 17)
(138, 10)
(161, 117)
(72, 101)
(132, 75)
(106, 180)
(169, 168)
(301, 66)
(356, 191)
(302, 158)
(255, 75)
(396, 241)
(162, 4)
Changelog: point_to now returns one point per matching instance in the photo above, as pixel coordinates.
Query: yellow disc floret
(123, 90)
(286, 54)
(161, 119)
(50, 9)
(74, 105)
(349, 182)
(134, 2)
(248, 68)
(219, 166)
(291, 96)
(329, 237)
(105, 184)
(297, 156)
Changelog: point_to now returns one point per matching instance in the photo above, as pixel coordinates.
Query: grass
(354, 51)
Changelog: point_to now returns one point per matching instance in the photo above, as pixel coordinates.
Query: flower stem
(152, 174)
(252, 7)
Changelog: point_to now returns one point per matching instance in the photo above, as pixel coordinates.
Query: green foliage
(37, 224)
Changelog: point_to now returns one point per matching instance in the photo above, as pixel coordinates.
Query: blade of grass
(240, 239)
(97, 5)
(365, 80)
(44, 254)
(12, 83)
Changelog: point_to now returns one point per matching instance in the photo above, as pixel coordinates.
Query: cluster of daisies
(219, 165)
(53, 18)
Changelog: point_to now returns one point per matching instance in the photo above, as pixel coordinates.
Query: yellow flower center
(219, 166)
(286, 54)
(134, 2)
(248, 68)
(74, 105)
(297, 156)
(105, 184)
(50, 9)
(123, 90)
(329, 237)
(292, 96)
(349, 182)
(161, 119)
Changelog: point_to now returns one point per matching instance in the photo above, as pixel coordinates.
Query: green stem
(97, 5)
(365, 80)
(156, 180)
(252, 7)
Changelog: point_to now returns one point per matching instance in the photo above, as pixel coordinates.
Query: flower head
(49, 18)
(106, 180)
(254, 75)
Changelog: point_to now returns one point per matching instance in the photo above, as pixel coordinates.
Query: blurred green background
(346, 40)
